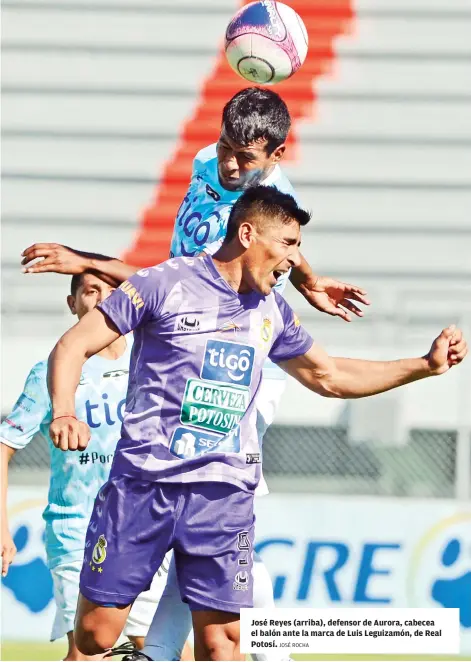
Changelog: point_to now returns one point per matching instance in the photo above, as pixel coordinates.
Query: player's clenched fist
(447, 350)
(69, 434)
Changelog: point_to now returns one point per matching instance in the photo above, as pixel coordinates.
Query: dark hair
(254, 114)
(76, 282)
(265, 201)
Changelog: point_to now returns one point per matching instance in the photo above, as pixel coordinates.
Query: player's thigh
(129, 533)
(144, 607)
(262, 585)
(213, 548)
(66, 579)
(217, 635)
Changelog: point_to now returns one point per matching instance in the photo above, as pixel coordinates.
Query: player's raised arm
(89, 336)
(355, 378)
(60, 259)
(134, 303)
(327, 294)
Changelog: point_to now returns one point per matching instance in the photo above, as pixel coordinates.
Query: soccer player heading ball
(190, 383)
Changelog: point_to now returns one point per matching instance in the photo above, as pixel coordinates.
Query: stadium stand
(104, 104)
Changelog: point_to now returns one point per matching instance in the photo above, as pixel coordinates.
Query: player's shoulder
(283, 308)
(38, 372)
(176, 268)
(205, 156)
(282, 183)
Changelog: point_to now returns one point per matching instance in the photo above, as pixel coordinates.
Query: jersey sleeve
(139, 299)
(293, 340)
(31, 409)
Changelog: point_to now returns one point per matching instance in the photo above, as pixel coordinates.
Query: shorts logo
(252, 458)
(99, 551)
(243, 542)
(267, 329)
(228, 362)
(241, 582)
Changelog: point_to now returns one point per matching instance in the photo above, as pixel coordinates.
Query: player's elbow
(327, 385)
(69, 347)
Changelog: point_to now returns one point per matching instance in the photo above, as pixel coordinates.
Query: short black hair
(76, 282)
(265, 201)
(255, 113)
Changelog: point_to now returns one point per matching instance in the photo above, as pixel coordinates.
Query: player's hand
(69, 434)
(8, 549)
(334, 297)
(55, 258)
(447, 350)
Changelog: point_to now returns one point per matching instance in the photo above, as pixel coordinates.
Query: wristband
(64, 416)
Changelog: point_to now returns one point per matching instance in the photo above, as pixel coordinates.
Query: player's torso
(202, 217)
(204, 366)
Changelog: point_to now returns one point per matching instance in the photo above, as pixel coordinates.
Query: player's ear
(246, 234)
(71, 304)
(278, 153)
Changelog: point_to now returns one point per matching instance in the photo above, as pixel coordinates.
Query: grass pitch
(12, 650)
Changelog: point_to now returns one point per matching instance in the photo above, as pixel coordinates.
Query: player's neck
(115, 350)
(228, 261)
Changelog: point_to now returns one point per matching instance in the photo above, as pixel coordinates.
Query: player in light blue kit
(75, 476)
(188, 461)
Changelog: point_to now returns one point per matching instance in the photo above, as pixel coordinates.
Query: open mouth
(277, 274)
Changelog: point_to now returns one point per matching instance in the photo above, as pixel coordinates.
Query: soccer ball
(266, 42)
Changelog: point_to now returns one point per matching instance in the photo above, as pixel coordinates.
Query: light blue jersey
(201, 221)
(75, 476)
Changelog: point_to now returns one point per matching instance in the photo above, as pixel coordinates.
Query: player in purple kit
(188, 461)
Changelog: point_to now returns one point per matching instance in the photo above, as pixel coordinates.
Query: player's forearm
(352, 378)
(7, 453)
(302, 275)
(63, 376)
(111, 268)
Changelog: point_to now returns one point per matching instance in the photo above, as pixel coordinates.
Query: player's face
(242, 166)
(271, 252)
(91, 292)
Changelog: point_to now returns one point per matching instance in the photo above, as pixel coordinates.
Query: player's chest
(224, 339)
(101, 398)
(201, 219)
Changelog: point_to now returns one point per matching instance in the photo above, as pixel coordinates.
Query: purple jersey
(196, 365)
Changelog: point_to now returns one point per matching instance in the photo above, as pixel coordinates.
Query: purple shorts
(210, 527)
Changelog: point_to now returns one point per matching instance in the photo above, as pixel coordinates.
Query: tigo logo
(228, 362)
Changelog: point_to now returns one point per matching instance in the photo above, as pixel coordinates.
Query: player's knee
(91, 638)
(218, 645)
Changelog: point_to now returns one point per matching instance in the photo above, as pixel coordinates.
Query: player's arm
(60, 259)
(16, 431)
(131, 305)
(327, 294)
(8, 546)
(355, 378)
(90, 335)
